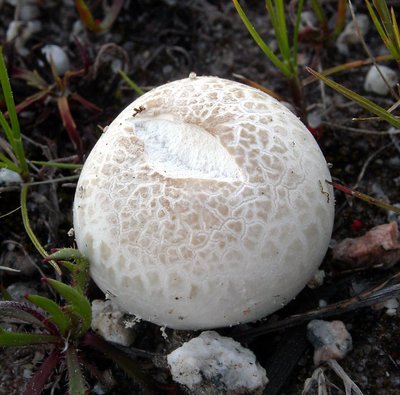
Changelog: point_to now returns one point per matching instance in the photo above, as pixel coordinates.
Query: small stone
(212, 364)
(29, 10)
(108, 322)
(380, 245)
(9, 178)
(376, 84)
(58, 56)
(317, 280)
(391, 306)
(18, 261)
(18, 290)
(331, 340)
(350, 34)
(20, 32)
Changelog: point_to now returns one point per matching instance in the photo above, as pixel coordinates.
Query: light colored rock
(9, 178)
(58, 56)
(28, 10)
(376, 84)
(391, 306)
(350, 34)
(213, 364)
(18, 290)
(331, 340)
(108, 322)
(317, 280)
(20, 32)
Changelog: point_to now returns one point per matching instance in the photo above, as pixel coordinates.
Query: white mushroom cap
(204, 204)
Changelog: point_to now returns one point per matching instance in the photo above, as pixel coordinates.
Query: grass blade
(58, 165)
(362, 101)
(15, 137)
(381, 29)
(8, 164)
(260, 42)
(281, 30)
(366, 198)
(296, 35)
(131, 83)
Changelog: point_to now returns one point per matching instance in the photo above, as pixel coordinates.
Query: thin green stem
(260, 42)
(131, 83)
(28, 229)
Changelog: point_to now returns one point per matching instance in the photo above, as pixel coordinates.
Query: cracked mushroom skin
(204, 204)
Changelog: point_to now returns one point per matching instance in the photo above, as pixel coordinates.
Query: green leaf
(57, 315)
(362, 101)
(79, 270)
(79, 304)
(76, 382)
(12, 339)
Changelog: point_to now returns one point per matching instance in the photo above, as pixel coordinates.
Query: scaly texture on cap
(204, 204)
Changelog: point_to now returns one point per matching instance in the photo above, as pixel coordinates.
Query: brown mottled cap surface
(203, 205)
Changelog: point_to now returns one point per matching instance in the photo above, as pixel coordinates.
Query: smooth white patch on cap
(179, 150)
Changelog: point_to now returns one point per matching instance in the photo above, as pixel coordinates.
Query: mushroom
(204, 204)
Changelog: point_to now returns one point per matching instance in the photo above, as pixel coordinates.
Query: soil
(156, 41)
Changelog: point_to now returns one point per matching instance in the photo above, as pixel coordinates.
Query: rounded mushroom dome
(204, 204)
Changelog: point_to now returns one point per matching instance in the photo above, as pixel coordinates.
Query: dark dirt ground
(157, 41)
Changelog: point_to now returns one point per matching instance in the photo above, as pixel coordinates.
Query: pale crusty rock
(204, 204)
(216, 365)
(331, 340)
(108, 322)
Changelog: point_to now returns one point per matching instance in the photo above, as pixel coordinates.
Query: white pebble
(317, 280)
(20, 32)
(28, 10)
(376, 84)
(350, 34)
(331, 340)
(9, 178)
(108, 322)
(58, 56)
(211, 362)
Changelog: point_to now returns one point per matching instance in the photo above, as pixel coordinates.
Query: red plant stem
(36, 314)
(37, 382)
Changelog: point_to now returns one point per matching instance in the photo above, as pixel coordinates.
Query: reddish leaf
(86, 103)
(69, 123)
